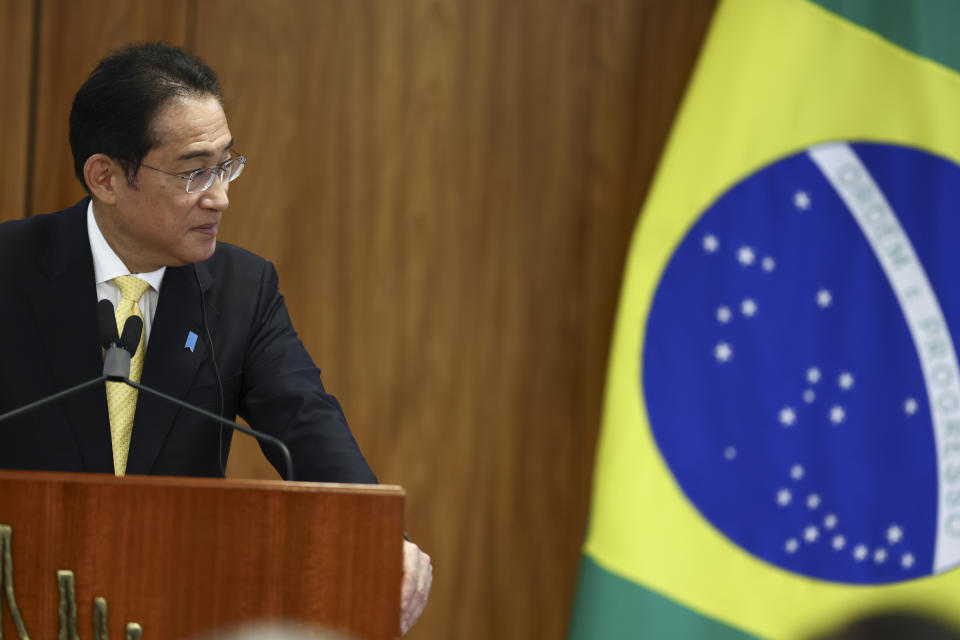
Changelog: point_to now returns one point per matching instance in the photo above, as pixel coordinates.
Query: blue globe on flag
(799, 371)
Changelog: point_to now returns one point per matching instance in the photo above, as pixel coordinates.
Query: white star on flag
(838, 542)
(746, 256)
(894, 534)
(910, 406)
(845, 381)
(787, 416)
(784, 497)
(837, 414)
(860, 552)
(809, 396)
(791, 545)
(710, 243)
(748, 308)
(801, 200)
(907, 560)
(830, 521)
(768, 264)
(730, 453)
(722, 352)
(811, 533)
(824, 298)
(724, 314)
(880, 556)
(796, 471)
(813, 375)
(813, 501)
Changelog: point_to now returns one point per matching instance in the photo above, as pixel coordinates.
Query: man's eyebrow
(203, 154)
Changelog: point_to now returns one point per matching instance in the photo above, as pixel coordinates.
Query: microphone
(106, 324)
(119, 351)
(130, 338)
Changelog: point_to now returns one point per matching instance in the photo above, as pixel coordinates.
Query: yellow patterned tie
(122, 398)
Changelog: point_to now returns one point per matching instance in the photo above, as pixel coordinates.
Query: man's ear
(102, 174)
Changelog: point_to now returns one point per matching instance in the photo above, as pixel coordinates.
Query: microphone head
(106, 320)
(130, 339)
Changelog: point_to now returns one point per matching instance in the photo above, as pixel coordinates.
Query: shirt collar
(107, 265)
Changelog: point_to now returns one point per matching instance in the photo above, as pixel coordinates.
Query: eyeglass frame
(217, 173)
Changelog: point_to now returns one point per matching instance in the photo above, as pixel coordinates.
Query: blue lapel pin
(191, 341)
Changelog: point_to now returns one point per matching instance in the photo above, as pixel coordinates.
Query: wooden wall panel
(16, 53)
(74, 36)
(448, 189)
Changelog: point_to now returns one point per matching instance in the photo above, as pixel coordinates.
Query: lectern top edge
(218, 483)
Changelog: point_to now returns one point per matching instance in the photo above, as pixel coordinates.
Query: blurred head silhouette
(275, 630)
(894, 625)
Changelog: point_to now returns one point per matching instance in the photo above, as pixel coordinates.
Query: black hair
(114, 110)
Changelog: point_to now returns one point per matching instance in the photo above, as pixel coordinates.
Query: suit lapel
(71, 338)
(169, 366)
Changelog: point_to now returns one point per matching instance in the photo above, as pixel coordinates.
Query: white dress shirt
(107, 266)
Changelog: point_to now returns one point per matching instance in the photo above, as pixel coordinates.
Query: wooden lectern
(183, 556)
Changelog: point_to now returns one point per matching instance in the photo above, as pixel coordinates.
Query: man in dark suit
(154, 152)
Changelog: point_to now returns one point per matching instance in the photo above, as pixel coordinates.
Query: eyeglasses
(202, 179)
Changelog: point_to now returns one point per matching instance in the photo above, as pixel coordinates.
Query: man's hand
(417, 578)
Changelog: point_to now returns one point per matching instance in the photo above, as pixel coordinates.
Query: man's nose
(216, 196)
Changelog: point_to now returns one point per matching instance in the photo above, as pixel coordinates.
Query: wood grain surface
(186, 556)
(16, 74)
(448, 190)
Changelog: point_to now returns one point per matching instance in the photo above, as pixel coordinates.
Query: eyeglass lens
(202, 180)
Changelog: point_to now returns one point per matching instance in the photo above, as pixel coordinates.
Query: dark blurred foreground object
(276, 630)
(894, 625)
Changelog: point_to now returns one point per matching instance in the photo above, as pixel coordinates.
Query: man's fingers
(411, 560)
(415, 588)
(424, 577)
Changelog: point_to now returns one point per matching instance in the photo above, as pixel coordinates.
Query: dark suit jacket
(49, 342)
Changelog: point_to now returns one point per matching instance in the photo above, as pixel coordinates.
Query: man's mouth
(208, 229)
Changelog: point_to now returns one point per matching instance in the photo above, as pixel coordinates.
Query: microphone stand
(116, 368)
(57, 396)
(116, 377)
(287, 460)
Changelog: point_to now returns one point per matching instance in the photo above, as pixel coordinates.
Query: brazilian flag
(780, 448)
